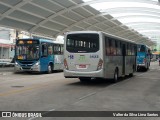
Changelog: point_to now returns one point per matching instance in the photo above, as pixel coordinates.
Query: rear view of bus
(83, 55)
(143, 57)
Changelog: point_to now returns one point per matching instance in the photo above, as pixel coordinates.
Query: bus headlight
(16, 64)
(38, 63)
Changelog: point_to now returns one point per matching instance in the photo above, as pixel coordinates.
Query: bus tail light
(65, 64)
(100, 63)
(144, 60)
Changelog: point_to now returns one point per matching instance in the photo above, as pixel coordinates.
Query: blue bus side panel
(44, 62)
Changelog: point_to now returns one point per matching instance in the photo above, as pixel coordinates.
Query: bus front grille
(23, 62)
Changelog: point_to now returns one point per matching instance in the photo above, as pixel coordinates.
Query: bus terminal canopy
(55, 17)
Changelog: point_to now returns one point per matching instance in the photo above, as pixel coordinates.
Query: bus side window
(119, 51)
(132, 50)
(50, 50)
(57, 49)
(116, 47)
(135, 50)
(113, 48)
(124, 49)
(107, 46)
(62, 49)
(44, 50)
(128, 49)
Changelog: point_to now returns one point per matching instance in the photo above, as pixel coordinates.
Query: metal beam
(143, 10)
(13, 8)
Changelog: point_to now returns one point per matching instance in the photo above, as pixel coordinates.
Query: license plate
(82, 66)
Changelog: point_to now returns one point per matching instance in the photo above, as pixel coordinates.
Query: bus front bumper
(75, 74)
(34, 68)
(141, 65)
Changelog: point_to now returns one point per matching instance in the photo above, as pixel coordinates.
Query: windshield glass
(82, 43)
(27, 52)
(141, 48)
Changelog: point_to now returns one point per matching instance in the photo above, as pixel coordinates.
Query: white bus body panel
(84, 64)
(111, 63)
(58, 62)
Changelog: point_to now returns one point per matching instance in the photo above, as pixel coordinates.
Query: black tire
(147, 67)
(115, 79)
(83, 79)
(49, 69)
(131, 75)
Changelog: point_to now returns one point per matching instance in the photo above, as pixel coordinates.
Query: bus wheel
(49, 69)
(148, 66)
(115, 79)
(131, 74)
(83, 79)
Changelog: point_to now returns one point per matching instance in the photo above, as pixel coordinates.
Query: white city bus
(94, 54)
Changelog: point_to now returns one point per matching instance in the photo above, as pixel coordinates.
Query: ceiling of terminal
(55, 17)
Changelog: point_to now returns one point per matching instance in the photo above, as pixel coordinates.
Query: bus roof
(144, 45)
(98, 32)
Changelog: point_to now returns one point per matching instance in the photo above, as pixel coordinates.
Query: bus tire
(83, 79)
(115, 79)
(49, 69)
(131, 75)
(148, 66)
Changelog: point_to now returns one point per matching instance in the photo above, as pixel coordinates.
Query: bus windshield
(141, 48)
(27, 52)
(82, 43)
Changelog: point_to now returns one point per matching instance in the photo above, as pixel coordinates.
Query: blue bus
(143, 57)
(38, 55)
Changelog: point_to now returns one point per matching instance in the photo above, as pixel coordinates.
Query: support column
(1, 53)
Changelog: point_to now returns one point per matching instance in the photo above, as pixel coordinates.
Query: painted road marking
(23, 90)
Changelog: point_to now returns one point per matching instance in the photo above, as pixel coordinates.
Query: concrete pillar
(0, 52)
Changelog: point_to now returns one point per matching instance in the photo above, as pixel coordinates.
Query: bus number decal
(94, 56)
(71, 56)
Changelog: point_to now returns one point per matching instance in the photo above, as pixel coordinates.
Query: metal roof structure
(55, 17)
